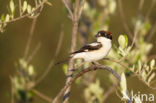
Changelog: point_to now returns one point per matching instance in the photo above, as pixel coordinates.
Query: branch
(68, 8)
(41, 95)
(150, 9)
(33, 53)
(12, 90)
(109, 92)
(126, 27)
(52, 60)
(81, 8)
(91, 68)
(20, 12)
(135, 74)
(30, 38)
(153, 31)
(141, 5)
(75, 21)
(26, 15)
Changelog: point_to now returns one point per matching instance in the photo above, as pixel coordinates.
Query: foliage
(130, 56)
(23, 80)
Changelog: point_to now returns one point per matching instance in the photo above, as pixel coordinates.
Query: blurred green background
(47, 31)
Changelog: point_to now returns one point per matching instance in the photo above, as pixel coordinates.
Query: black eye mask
(104, 34)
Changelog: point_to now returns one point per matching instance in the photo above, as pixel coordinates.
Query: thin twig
(81, 8)
(109, 92)
(73, 47)
(33, 53)
(84, 71)
(126, 67)
(150, 58)
(26, 15)
(30, 38)
(68, 8)
(12, 90)
(41, 95)
(153, 31)
(141, 5)
(20, 12)
(52, 60)
(150, 9)
(126, 27)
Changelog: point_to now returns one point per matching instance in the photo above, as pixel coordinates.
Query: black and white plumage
(89, 47)
(97, 50)
(94, 51)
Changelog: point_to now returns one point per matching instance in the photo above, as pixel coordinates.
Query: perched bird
(94, 51)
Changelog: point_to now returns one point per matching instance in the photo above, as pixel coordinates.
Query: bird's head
(104, 34)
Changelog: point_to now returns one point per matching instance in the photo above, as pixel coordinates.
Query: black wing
(89, 47)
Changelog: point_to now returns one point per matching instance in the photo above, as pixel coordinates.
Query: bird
(94, 51)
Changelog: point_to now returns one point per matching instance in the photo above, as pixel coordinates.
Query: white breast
(96, 55)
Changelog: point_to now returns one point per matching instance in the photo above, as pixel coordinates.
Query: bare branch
(150, 9)
(12, 90)
(141, 5)
(135, 74)
(126, 27)
(26, 15)
(68, 8)
(81, 8)
(34, 53)
(109, 92)
(153, 31)
(20, 12)
(30, 38)
(52, 60)
(41, 95)
(91, 68)
(73, 46)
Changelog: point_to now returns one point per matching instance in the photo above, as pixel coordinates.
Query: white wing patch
(86, 50)
(94, 44)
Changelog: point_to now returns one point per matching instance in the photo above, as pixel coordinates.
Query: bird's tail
(65, 60)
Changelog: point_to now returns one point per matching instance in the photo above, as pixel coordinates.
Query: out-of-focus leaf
(24, 7)
(2, 18)
(65, 68)
(139, 66)
(12, 6)
(29, 9)
(152, 64)
(151, 77)
(137, 100)
(123, 83)
(7, 18)
(112, 6)
(123, 86)
(31, 70)
(123, 41)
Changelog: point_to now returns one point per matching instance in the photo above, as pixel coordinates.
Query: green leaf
(123, 83)
(123, 41)
(126, 40)
(139, 66)
(7, 18)
(151, 77)
(24, 7)
(123, 86)
(12, 6)
(65, 68)
(31, 70)
(29, 9)
(137, 100)
(23, 63)
(152, 64)
(2, 18)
